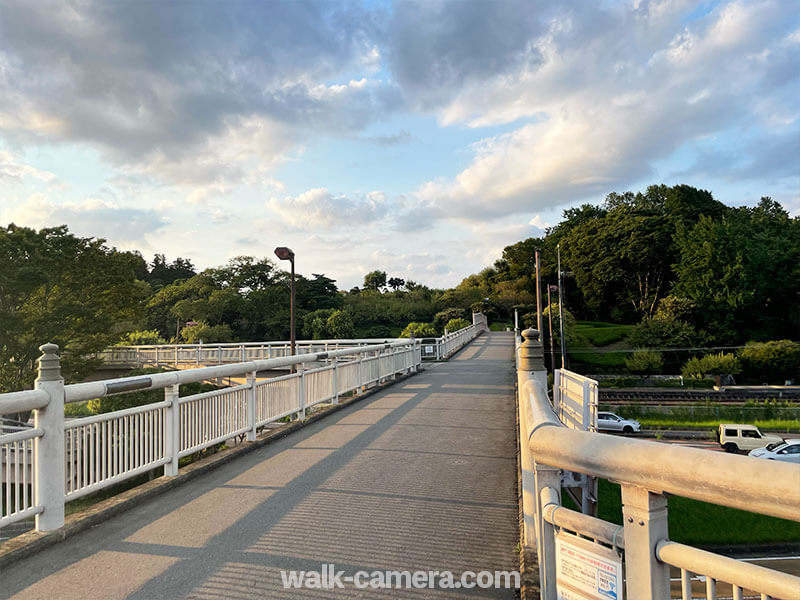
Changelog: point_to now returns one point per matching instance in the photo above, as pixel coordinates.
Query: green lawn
(602, 334)
(699, 523)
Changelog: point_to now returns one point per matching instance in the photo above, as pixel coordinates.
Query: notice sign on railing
(586, 571)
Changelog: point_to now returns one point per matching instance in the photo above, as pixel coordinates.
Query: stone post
(48, 450)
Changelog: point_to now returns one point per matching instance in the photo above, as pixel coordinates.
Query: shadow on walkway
(420, 476)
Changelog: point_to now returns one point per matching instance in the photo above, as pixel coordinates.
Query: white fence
(219, 354)
(636, 556)
(60, 460)
(575, 400)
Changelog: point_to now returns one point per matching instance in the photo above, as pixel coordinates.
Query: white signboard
(586, 571)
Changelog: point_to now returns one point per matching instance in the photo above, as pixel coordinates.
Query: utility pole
(538, 297)
(551, 288)
(561, 311)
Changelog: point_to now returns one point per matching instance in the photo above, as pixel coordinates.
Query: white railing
(575, 400)
(646, 471)
(60, 460)
(219, 354)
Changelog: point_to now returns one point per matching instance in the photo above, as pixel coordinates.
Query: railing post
(219, 355)
(241, 353)
(301, 391)
(251, 406)
(335, 396)
(48, 450)
(644, 515)
(548, 491)
(172, 445)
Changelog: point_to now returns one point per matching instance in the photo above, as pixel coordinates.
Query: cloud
(318, 208)
(402, 137)
(92, 217)
(598, 96)
(12, 171)
(186, 96)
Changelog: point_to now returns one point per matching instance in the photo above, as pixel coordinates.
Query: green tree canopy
(57, 287)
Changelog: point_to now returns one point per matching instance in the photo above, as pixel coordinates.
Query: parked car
(607, 421)
(735, 438)
(788, 451)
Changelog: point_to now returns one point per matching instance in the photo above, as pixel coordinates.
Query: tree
(162, 273)
(340, 325)
(72, 291)
(375, 280)
(396, 283)
(209, 334)
(711, 364)
(774, 361)
(660, 333)
(742, 271)
(441, 318)
(644, 362)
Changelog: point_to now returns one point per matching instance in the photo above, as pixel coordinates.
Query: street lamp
(285, 253)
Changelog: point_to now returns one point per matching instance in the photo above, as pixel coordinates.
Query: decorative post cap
(531, 353)
(49, 363)
(531, 335)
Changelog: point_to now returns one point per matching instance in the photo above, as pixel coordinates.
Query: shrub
(441, 319)
(711, 364)
(774, 361)
(456, 324)
(340, 325)
(142, 338)
(645, 362)
(210, 334)
(419, 330)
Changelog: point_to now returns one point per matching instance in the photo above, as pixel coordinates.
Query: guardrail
(209, 354)
(60, 460)
(637, 554)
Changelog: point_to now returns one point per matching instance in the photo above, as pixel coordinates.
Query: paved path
(420, 476)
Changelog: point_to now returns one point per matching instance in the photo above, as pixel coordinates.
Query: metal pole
(561, 312)
(291, 309)
(550, 319)
(538, 296)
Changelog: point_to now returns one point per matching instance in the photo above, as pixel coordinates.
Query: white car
(788, 451)
(607, 421)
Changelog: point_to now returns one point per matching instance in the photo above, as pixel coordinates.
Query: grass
(603, 334)
(700, 523)
(705, 416)
(500, 326)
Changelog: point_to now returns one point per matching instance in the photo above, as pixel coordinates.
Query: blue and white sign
(586, 570)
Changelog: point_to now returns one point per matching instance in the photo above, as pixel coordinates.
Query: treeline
(671, 254)
(85, 296)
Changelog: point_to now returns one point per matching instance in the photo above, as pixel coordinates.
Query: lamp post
(551, 288)
(285, 253)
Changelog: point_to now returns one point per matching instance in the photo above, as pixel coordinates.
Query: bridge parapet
(195, 355)
(73, 458)
(638, 554)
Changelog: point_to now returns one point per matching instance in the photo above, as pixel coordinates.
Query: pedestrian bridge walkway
(420, 476)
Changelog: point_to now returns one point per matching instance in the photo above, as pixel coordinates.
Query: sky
(418, 138)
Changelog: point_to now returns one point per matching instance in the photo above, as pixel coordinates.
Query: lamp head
(284, 253)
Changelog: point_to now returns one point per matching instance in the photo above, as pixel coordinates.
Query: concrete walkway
(420, 476)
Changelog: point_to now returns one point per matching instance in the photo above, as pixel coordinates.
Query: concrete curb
(26, 544)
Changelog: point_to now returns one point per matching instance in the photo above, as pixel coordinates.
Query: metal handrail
(724, 479)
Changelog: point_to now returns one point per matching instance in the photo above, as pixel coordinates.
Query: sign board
(428, 350)
(586, 570)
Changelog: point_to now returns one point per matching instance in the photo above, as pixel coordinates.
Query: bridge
(388, 474)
